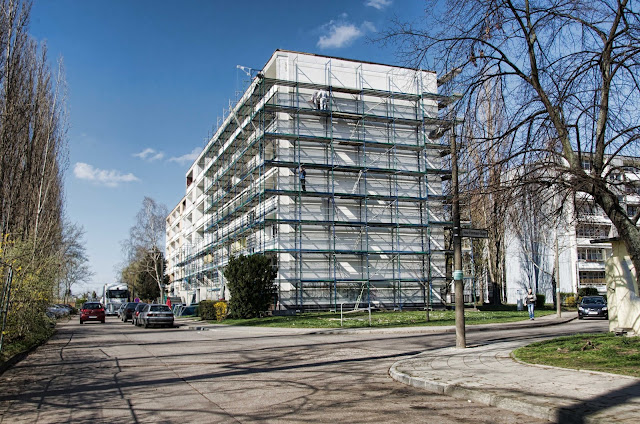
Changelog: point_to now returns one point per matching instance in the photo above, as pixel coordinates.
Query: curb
(478, 395)
(510, 402)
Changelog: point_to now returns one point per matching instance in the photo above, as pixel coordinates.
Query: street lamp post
(458, 275)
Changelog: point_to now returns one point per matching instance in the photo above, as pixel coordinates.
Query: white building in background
(581, 262)
(367, 225)
(175, 240)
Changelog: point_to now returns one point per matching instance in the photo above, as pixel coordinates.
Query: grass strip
(595, 352)
(383, 319)
(14, 349)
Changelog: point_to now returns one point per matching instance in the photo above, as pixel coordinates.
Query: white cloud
(110, 178)
(378, 4)
(149, 154)
(341, 34)
(188, 158)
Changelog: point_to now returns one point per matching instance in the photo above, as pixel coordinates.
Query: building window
(591, 278)
(589, 209)
(586, 164)
(590, 255)
(592, 231)
(632, 210)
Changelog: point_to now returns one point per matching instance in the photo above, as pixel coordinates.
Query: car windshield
(140, 306)
(92, 306)
(593, 300)
(160, 308)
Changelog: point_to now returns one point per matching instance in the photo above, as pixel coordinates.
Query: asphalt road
(120, 373)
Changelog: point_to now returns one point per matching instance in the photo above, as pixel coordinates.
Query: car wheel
(102, 321)
(146, 324)
(81, 322)
(580, 316)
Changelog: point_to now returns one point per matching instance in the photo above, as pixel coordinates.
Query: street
(120, 373)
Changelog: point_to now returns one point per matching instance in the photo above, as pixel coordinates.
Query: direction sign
(475, 233)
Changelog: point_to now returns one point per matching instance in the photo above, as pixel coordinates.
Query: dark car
(136, 312)
(593, 306)
(126, 311)
(92, 311)
(156, 315)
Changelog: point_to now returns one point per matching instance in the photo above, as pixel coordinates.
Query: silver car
(156, 315)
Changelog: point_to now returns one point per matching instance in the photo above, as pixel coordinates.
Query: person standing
(303, 177)
(530, 301)
(324, 100)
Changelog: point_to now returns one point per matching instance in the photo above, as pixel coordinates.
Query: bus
(114, 295)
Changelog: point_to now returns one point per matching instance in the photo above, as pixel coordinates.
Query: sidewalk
(488, 374)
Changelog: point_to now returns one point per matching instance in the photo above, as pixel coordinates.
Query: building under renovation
(335, 168)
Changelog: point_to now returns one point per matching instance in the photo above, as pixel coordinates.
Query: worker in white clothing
(324, 100)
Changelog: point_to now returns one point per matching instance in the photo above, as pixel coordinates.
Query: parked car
(126, 311)
(593, 306)
(156, 315)
(136, 312)
(92, 311)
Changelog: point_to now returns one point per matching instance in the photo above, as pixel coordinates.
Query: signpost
(475, 233)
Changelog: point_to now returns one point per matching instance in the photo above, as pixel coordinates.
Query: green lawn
(596, 352)
(381, 319)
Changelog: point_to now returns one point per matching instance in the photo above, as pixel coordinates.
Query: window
(591, 278)
(592, 231)
(586, 164)
(632, 210)
(589, 209)
(590, 255)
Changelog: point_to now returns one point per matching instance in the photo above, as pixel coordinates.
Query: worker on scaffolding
(324, 100)
(315, 99)
(302, 173)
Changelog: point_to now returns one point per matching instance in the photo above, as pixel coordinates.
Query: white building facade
(365, 225)
(581, 262)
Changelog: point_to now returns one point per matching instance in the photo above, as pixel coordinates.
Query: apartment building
(581, 261)
(335, 168)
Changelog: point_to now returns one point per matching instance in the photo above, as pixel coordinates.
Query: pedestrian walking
(530, 301)
(303, 176)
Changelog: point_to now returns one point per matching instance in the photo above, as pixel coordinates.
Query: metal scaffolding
(369, 225)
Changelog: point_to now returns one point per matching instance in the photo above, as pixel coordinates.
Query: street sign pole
(457, 248)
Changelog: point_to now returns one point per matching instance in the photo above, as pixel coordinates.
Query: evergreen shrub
(251, 284)
(207, 310)
(587, 291)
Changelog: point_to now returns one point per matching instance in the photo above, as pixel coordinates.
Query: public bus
(114, 295)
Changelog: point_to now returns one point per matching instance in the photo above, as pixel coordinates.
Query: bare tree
(74, 260)
(568, 71)
(32, 163)
(146, 241)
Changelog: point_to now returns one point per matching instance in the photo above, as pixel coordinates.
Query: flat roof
(345, 59)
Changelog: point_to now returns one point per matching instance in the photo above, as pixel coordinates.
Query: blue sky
(148, 79)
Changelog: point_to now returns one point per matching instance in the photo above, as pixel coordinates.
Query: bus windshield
(118, 294)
